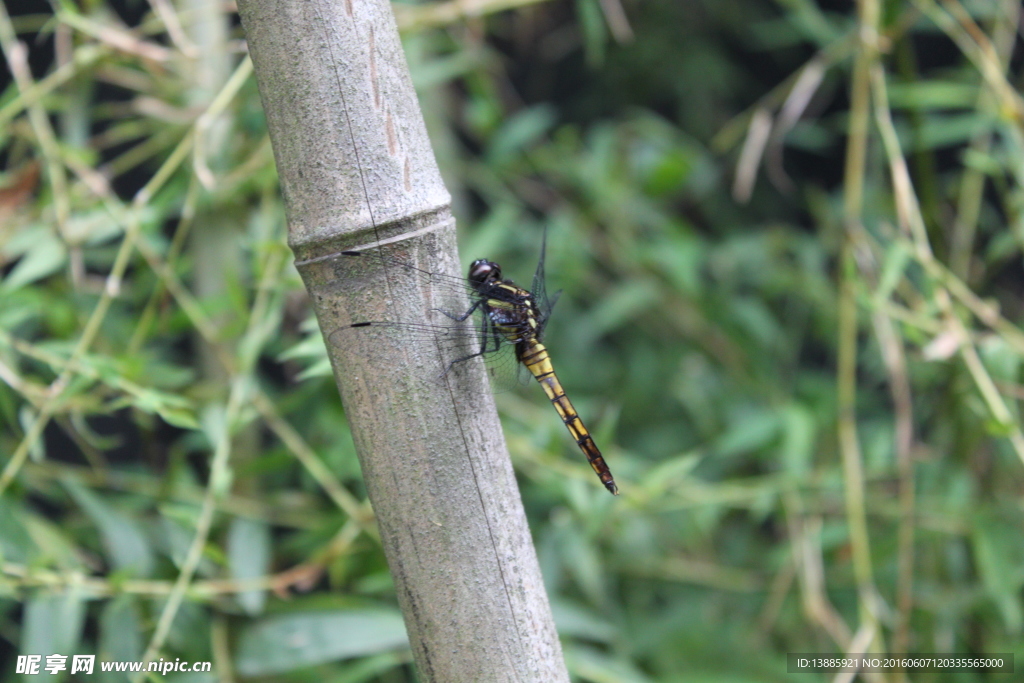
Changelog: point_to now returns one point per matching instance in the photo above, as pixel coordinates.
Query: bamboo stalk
(356, 169)
(868, 12)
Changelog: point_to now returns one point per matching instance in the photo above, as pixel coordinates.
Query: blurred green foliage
(804, 369)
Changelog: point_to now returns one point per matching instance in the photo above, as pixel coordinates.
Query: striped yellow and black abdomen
(535, 357)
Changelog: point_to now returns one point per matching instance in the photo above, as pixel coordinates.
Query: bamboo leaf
(288, 642)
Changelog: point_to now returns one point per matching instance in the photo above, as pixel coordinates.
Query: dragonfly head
(483, 273)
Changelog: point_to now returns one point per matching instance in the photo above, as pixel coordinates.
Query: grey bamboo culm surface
(356, 169)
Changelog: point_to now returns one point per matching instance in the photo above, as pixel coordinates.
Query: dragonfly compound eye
(482, 272)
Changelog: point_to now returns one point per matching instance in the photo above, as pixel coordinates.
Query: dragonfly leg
(460, 318)
(486, 336)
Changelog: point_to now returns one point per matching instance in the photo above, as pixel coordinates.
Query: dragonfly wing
(452, 345)
(545, 312)
(540, 291)
(395, 267)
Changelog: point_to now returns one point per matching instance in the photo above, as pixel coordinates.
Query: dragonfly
(504, 325)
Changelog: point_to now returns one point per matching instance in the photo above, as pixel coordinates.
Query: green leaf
(670, 173)
(933, 94)
(368, 669)
(748, 432)
(192, 677)
(434, 71)
(93, 227)
(213, 423)
(622, 304)
(582, 561)
(288, 642)
(680, 257)
(15, 543)
(896, 259)
(311, 346)
(27, 417)
(177, 526)
(120, 638)
(44, 256)
(669, 473)
(57, 546)
(1000, 359)
(595, 34)
(997, 555)
(123, 538)
(249, 558)
(944, 131)
(174, 409)
(520, 132)
(798, 434)
(576, 621)
(321, 368)
(183, 419)
(588, 664)
(53, 624)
